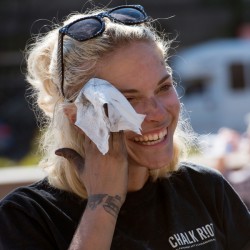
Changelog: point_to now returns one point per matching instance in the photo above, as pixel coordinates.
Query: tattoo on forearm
(111, 204)
(95, 200)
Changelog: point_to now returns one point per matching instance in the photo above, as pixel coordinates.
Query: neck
(137, 177)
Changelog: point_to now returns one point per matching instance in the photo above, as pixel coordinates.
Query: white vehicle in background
(216, 81)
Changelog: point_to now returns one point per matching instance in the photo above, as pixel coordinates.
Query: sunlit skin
(139, 72)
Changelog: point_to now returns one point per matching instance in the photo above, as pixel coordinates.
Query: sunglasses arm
(60, 64)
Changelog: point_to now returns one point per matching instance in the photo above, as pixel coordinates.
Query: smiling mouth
(151, 139)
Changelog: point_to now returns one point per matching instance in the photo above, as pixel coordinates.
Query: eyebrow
(131, 91)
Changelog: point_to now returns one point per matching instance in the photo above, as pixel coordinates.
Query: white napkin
(91, 117)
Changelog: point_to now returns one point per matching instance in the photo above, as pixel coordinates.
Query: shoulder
(29, 212)
(198, 173)
(40, 194)
(198, 180)
(25, 195)
(194, 169)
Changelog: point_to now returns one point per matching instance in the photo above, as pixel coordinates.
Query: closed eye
(130, 99)
(165, 87)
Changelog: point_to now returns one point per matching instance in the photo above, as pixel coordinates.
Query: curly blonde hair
(80, 59)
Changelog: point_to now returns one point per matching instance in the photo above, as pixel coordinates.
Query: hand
(101, 174)
(106, 179)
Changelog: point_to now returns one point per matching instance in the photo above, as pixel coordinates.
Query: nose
(154, 109)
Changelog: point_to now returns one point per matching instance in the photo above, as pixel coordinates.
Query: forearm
(105, 178)
(96, 228)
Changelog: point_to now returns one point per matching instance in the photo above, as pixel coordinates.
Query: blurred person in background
(232, 154)
(138, 195)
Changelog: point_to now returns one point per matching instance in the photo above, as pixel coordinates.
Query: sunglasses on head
(92, 26)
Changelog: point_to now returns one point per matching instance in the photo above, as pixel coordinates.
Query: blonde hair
(80, 59)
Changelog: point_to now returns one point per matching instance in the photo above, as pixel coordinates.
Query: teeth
(155, 137)
(151, 138)
(152, 142)
(161, 134)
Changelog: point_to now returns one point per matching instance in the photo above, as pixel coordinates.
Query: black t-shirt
(194, 208)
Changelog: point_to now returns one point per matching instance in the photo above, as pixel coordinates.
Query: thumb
(73, 157)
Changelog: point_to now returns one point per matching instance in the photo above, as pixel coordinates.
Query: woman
(137, 195)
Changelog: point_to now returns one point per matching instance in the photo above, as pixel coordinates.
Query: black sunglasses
(92, 26)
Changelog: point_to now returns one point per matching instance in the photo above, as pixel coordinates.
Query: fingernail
(58, 152)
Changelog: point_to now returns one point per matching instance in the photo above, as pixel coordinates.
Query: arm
(105, 178)
(97, 225)
(236, 220)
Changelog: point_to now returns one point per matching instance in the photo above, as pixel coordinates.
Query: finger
(117, 140)
(72, 156)
(105, 106)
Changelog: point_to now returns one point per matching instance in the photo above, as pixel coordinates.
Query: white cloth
(91, 117)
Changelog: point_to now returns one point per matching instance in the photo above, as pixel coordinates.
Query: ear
(70, 111)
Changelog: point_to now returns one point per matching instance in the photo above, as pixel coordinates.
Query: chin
(152, 161)
(152, 155)
(158, 164)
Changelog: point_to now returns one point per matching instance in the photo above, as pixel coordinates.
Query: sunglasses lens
(128, 15)
(85, 29)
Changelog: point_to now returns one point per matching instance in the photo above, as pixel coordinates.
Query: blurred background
(210, 59)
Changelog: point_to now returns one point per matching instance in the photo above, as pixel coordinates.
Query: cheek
(175, 105)
(139, 106)
(168, 102)
(171, 104)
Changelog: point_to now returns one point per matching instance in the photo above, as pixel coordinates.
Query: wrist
(111, 204)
